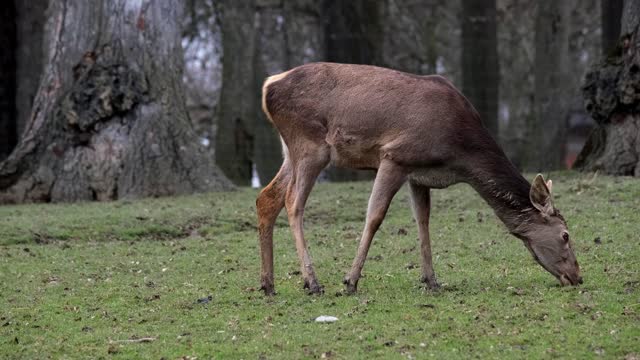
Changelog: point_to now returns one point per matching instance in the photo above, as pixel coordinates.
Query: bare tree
(271, 57)
(202, 79)
(354, 35)
(412, 45)
(480, 68)
(516, 49)
(109, 120)
(612, 97)
(547, 135)
(238, 104)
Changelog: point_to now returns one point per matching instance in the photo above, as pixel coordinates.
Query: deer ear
(540, 195)
(550, 186)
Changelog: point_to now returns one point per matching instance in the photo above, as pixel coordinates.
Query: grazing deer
(419, 129)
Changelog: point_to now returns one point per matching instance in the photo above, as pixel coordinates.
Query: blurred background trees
(522, 64)
(480, 66)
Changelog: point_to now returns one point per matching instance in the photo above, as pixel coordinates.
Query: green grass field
(92, 280)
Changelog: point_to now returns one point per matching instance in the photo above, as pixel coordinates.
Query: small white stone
(326, 319)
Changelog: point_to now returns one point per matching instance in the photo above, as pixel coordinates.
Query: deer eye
(565, 237)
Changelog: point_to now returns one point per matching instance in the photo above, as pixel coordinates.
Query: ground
(93, 279)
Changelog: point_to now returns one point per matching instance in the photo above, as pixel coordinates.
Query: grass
(83, 280)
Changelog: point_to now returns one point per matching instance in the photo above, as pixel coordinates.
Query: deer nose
(580, 281)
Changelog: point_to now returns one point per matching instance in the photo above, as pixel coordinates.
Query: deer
(409, 128)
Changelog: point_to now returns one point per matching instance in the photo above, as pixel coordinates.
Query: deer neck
(500, 184)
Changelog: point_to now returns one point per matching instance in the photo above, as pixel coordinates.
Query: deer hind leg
(421, 199)
(389, 179)
(269, 204)
(306, 170)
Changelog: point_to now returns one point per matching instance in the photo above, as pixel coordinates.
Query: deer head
(546, 236)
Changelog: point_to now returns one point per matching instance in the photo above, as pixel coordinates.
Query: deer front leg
(421, 199)
(389, 179)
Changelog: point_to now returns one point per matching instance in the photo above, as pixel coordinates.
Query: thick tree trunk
(8, 133)
(612, 97)
(480, 68)
(611, 15)
(548, 131)
(30, 20)
(109, 120)
(238, 103)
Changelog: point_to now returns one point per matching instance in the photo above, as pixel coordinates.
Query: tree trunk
(238, 106)
(305, 36)
(480, 69)
(8, 133)
(271, 58)
(30, 20)
(612, 97)
(289, 33)
(354, 35)
(548, 131)
(354, 31)
(516, 50)
(411, 35)
(611, 14)
(109, 120)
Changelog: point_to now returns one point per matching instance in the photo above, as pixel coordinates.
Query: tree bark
(548, 130)
(109, 120)
(8, 133)
(480, 68)
(612, 97)
(611, 15)
(238, 106)
(30, 21)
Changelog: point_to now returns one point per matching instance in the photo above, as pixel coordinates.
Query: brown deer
(419, 129)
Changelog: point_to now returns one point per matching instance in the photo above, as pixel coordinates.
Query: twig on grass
(133, 341)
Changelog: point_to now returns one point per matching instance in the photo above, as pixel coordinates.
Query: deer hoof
(268, 290)
(430, 282)
(351, 287)
(313, 288)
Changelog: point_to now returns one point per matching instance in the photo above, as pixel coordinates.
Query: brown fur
(408, 127)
